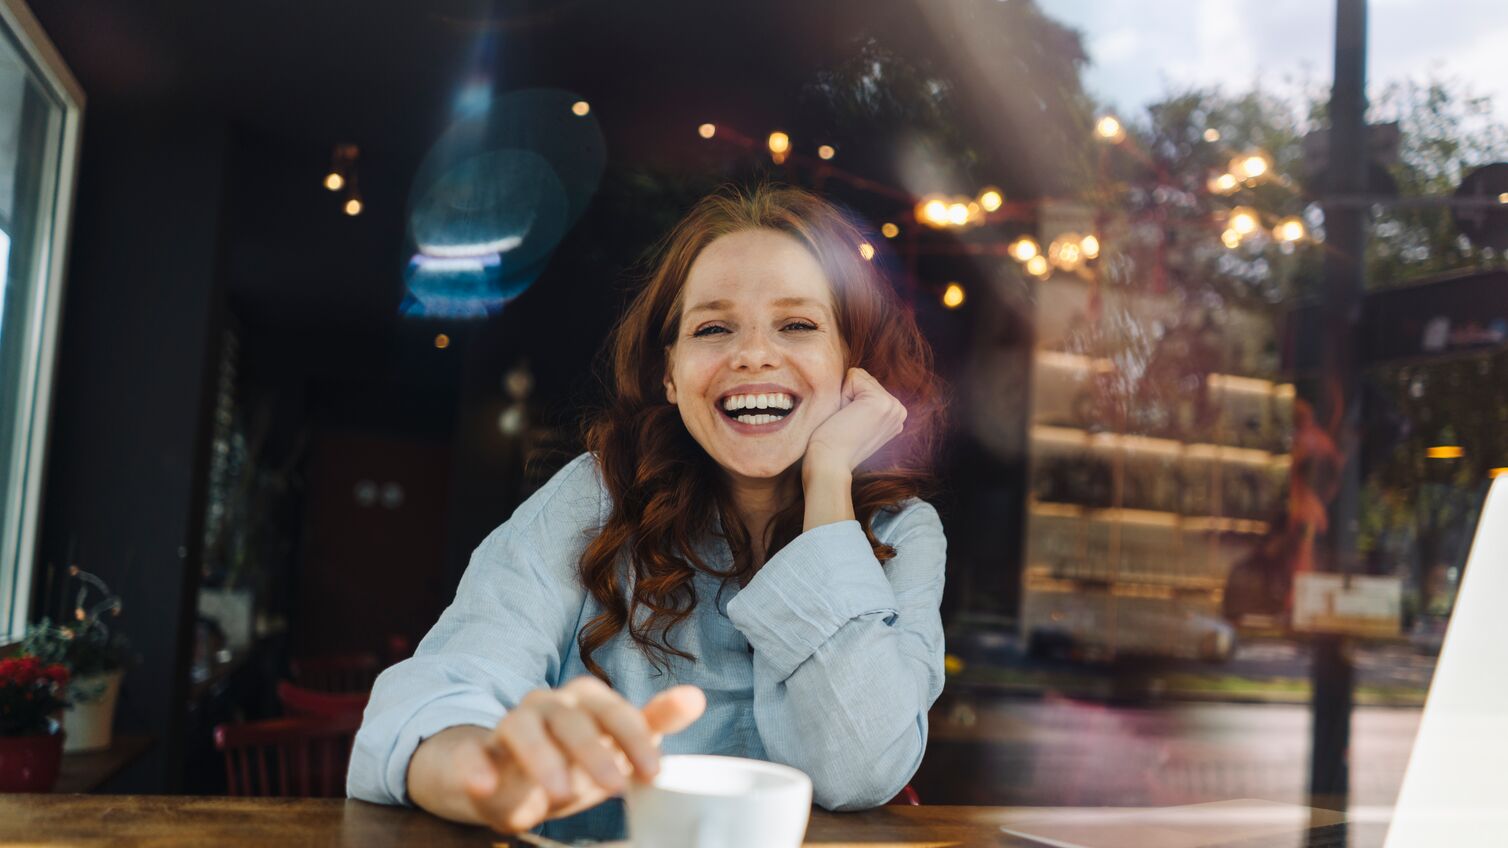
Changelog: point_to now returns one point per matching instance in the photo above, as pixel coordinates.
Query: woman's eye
(801, 325)
(707, 331)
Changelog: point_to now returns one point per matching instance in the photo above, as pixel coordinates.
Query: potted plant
(96, 658)
(32, 693)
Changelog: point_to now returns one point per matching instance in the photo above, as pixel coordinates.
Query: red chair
(336, 672)
(298, 701)
(298, 757)
(906, 798)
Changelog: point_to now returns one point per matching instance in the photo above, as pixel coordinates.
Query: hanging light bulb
(342, 166)
(1289, 229)
(1224, 184)
(1243, 220)
(1090, 246)
(1037, 266)
(953, 296)
(1024, 248)
(1109, 129)
(991, 199)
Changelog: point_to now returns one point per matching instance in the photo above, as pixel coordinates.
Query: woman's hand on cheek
(868, 417)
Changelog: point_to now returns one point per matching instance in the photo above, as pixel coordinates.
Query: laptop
(1455, 789)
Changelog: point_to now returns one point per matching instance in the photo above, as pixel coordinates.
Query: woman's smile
(758, 409)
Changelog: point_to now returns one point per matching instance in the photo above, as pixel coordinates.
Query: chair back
(296, 757)
(906, 798)
(298, 701)
(336, 672)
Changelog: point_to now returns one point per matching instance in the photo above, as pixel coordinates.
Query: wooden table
(172, 820)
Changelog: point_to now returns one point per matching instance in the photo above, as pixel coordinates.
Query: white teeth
(757, 419)
(764, 401)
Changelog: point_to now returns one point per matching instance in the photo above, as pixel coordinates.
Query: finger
(510, 802)
(478, 772)
(582, 738)
(625, 724)
(674, 709)
(522, 732)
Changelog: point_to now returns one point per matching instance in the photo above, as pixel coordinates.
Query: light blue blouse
(825, 661)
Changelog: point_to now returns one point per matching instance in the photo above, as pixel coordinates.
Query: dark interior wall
(142, 321)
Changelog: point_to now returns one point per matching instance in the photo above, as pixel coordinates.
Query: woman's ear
(669, 383)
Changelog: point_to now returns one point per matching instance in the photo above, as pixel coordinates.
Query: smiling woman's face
(757, 361)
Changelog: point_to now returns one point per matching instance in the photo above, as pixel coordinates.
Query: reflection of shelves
(1041, 577)
(1220, 382)
(1073, 437)
(1151, 518)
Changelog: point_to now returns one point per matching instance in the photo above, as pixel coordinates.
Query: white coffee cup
(700, 801)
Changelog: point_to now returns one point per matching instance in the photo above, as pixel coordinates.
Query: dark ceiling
(292, 79)
(289, 80)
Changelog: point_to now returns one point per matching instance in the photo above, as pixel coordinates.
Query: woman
(745, 524)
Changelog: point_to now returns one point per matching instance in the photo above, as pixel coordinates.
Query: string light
(866, 250)
(953, 296)
(1224, 184)
(1250, 166)
(353, 206)
(991, 199)
(1065, 252)
(1110, 129)
(707, 130)
(1289, 229)
(442, 341)
(1231, 239)
(889, 230)
(1024, 248)
(826, 151)
(1037, 266)
(1243, 220)
(342, 166)
(1212, 135)
(580, 108)
(1445, 452)
(1090, 246)
(780, 145)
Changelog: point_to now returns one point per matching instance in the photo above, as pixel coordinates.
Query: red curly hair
(667, 493)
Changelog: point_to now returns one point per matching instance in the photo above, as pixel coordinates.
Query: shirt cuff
(824, 578)
(470, 709)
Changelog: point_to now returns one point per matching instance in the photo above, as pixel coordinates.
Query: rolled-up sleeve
(848, 655)
(512, 621)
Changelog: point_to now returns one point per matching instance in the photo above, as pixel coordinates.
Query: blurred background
(302, 299)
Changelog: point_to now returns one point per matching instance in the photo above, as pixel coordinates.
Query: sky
(1139, 49)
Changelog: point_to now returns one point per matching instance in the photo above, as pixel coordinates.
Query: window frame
(19, 530)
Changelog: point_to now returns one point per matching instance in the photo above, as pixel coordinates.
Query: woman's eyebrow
(709, 306)
(717, 305)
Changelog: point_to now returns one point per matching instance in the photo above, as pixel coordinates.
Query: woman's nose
(755, 350)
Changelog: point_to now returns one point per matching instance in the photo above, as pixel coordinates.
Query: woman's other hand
(558, 752)
(868, 417)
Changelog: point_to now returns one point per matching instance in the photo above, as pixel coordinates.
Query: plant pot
(30, 763)
(91, 718)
